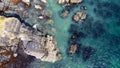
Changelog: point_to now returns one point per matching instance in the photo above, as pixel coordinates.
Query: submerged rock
(73, 49)
(15, 36)
(65, 14)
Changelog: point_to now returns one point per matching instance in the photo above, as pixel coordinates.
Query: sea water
(101, 32)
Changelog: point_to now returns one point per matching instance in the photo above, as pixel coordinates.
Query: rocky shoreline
(18, 37)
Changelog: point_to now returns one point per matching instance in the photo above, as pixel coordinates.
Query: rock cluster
(79, 16)
(15, 36)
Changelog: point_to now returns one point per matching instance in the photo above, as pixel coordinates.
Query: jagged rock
(79, 16)
(14, 34)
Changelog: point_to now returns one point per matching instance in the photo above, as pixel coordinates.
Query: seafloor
(98, 37)
(100, 32)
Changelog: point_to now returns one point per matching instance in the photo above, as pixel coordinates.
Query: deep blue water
(98, 37)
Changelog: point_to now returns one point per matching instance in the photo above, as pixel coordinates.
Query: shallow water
(101, 32)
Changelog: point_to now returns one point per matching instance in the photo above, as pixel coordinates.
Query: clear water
(101, 30)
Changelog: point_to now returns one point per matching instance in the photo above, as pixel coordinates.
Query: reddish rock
(15, 2)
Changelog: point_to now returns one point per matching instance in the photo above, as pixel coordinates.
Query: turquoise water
(100, 34)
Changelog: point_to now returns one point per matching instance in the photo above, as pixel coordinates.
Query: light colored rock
(35, 26)
(38, 7)
(44, 1)
(82, 15)
(27, 2)
(15, 54)
(52, 51)
(76, 18)
(41, 17)
(61, 1)
(75, 1)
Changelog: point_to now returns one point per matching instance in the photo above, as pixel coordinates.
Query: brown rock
(15, 2)
(4, 8)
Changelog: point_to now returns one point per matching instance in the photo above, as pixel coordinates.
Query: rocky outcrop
(16, 36)
(79, 16)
